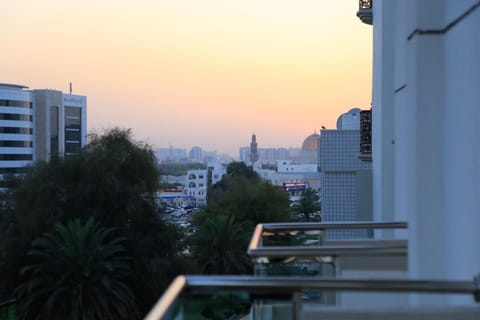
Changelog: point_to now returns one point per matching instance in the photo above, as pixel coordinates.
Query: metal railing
(289, 286)
(385, 247)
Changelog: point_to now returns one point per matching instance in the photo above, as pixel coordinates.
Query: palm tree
(308, 203)
(219, 246)
(77, 273)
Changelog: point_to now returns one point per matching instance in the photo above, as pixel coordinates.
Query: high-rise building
(346, 190)
(38, 124)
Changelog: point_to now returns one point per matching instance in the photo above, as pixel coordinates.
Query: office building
(38, 124)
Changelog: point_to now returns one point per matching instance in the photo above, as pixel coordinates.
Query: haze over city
(185, 73)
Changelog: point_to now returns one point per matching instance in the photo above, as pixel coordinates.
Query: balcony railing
(311, 239)
(250, 297)
(305, 249)
(365, 11)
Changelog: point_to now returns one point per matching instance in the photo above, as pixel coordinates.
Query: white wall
(382, 114)
(462, 143)
(426, 95)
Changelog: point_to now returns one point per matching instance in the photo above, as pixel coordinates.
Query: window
(16, 144)
(54, 148)
(15, 130)
(15, 103)
(15, 116)
(73, 124)
(16, 157)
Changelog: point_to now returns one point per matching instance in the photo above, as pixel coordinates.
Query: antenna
(70, 88)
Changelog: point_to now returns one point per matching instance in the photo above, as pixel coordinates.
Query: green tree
(240, 169)
(219, 246)
(114, 180)
(77, 272)
(308, 203)
(241, 200)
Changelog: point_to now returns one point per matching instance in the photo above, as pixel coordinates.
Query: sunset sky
(195, 72)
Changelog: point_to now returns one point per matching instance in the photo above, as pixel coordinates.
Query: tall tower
(253, 150)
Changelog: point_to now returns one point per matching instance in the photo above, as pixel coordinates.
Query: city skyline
(188, 73)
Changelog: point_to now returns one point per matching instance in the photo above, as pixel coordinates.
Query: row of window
(16, 157)
(72, 147)
(16, 130)
(15, 103)
(15, 116)
(16, 144)
(193, 185)
(73, 124)
(13, 170)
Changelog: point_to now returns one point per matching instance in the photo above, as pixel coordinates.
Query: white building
(425, 133)
(199, 180)
(37, 124)
(349, 120)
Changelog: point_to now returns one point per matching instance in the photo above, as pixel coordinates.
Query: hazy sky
(195, 72)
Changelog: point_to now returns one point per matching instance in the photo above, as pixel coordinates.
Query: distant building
(198, 181)
(38, 124)
(346, 181)
(292, 177)
(209, 156)
(253, 150)
(196, 154)
(171, 154)
(288, 166)
(308, 152)
(268, 155)
(349, 120)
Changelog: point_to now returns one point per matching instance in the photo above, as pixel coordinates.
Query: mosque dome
(311, 142)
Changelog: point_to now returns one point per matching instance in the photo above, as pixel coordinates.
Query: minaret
(253, 150)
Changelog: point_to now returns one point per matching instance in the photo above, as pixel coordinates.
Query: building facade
(425, 129)
(38, 124)
(345, 192)
(267, 155)
(198, 181)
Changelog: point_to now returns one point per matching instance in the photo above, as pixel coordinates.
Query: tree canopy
(77, 272)
(308, 203)
(113, 179)
(239, 201)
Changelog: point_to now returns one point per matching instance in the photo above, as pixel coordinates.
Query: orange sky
(196, 72)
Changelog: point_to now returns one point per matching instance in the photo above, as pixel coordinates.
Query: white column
(382, 114)
(462, 146)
